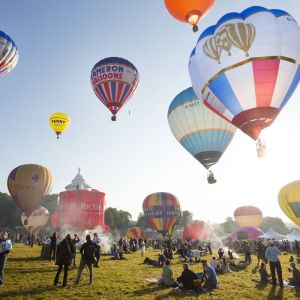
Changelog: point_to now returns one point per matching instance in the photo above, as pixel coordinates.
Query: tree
(142, 221)
(117, 219)
(51, 203)
(274, 223)
(229, 225)
(187, 217)
(10, 214)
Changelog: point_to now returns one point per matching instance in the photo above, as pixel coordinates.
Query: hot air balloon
(135, 232)
(114, 81)
(55, 219)
(289, 200)
(59, 122)
(248, 216)
(189, 11)
(198, 230)
(8, 54)
(36, 221)
(28, 185)
(199, 130)
(246, 67)
(163, 212)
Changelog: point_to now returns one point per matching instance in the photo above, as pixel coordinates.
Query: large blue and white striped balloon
(8, 54)
(199, 130)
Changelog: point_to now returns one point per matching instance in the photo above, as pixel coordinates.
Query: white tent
(294, 235)
(272, 235)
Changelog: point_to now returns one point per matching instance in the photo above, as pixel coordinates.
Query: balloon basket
(211, 178)
(113, 118)
(195, 28)
(261, 148)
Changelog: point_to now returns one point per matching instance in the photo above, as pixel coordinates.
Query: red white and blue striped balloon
(114, 81)
(8, 54)
(246, 67)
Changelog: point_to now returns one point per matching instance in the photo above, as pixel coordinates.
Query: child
(264, 276)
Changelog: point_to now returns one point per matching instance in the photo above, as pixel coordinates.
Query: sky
(59, 42)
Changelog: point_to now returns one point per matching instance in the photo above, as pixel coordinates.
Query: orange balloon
(189, 11)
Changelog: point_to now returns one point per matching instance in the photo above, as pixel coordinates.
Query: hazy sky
(59, 42)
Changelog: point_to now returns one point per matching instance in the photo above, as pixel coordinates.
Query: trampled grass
(29, 277)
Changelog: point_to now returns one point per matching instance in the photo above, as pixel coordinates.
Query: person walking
(63, 258)
(5, 247)
(271, 255)
(88, 258)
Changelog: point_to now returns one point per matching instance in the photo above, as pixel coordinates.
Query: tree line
(119, 220)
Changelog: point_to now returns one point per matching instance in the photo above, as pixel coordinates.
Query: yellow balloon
(28, 185)
(289, 201)
(36, 221)
(59, 122)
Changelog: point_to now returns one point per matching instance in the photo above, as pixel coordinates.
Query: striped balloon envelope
(114, 81)
(248, 216)
(163, 212)
(204, 134)
(8, 54)
(289, 200)
(246, 66)
(135, 232)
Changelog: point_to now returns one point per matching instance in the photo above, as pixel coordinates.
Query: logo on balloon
(35, 178)
(240, 35)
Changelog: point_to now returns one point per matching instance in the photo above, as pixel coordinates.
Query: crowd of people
(63, 253)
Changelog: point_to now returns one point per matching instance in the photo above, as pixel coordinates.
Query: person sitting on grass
(225, 266)
(187, 278)
(264, 276)
(209, 277)
(167, 277)
(221, 253)
(295, 280)
(215, 265)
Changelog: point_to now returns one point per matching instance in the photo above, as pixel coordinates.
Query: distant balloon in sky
(189, 11)
(28, 185)
(36, 221)
(59, 122)
(8, 54)
(246, 67)
(248, 216)
(163, 212)
(204, 134)
(114, 81)
(289, 200)
(135, 232)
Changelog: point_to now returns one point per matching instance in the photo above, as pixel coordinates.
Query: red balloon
(54, 219)
(198, 230)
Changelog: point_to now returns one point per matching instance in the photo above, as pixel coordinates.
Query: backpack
(89, 252)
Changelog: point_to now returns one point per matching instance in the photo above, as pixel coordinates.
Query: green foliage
(117, 219)
(142, 221)
(10, 214)
(187, 217)
(51, 203)
(229, 225)
(274, 223)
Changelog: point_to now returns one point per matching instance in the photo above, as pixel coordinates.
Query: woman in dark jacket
(63, 258)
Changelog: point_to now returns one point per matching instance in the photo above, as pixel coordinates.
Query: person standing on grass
(53, 242)
(97, 241)
(63, 258)
(74, 241)
(88, 258)
(271, 255)
(5, 247)
(142, 248)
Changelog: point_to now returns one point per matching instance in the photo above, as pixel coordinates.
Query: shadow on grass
(255, 269)
(151, 289)
(178, 293)
(26, 259)
(28, 292)
(26, 271)
(275, 293)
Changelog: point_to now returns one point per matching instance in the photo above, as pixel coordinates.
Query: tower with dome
(80, 206)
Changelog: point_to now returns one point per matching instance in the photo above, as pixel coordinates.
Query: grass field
(28, 277)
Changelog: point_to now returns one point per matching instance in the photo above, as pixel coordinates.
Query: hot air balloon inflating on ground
(114, 81)
(8, 54)
(36, 221)
(28, 185)
(204, 134)
(189, 11)
(163, 212)
(289, 201)
(246, 67)
(59, 122)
